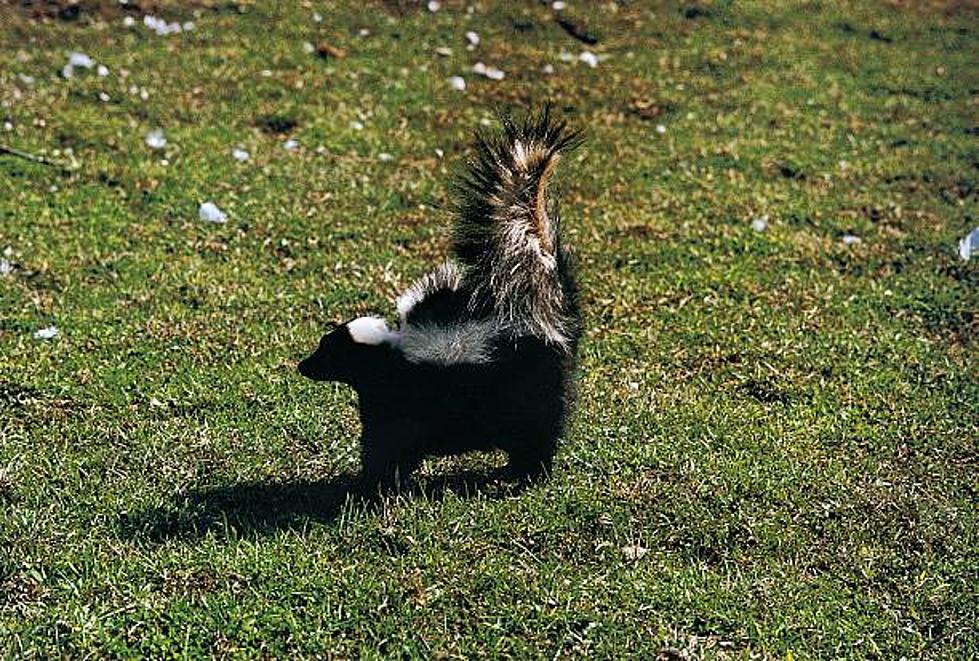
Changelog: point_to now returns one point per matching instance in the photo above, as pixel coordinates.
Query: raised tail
(507, 232)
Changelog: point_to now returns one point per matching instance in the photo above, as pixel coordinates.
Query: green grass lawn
(776, 450)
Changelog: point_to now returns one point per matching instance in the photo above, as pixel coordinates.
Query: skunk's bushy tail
(507, 232)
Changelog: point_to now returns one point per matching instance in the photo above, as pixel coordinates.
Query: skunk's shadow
(256, 508)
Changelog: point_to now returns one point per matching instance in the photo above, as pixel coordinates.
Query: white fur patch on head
(370, 330)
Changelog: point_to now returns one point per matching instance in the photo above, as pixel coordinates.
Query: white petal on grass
(48, 333)
(155, 139)
(472, 38)
(102, 71)
(240, 154)
(969, 245)
(103, 97)
(660, 129)
(588, 58)
(384, 156)
(850, 239)
(162, 28)
(458, 83)
(291, 144)
(209, 212)
(565, 56)
(759, 223)
(490, 72)
(548, 69)
(80, 60)
(558, 6)
(76, 61)
(189, 25)
(129, 21)
(434, 5)
(154, 23)
(24, 78)
(317, 17)
(356, 125)
(6, 268)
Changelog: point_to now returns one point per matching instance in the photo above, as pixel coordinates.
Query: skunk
(484, 353)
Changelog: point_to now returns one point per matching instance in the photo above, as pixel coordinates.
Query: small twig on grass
(576, 31)
(6, 149)
(41, 160)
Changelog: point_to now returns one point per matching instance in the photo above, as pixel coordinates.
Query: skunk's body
(485, 349)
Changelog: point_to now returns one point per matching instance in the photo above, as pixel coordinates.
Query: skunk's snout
(311, 368)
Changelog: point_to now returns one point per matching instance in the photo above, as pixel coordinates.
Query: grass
(775, 453)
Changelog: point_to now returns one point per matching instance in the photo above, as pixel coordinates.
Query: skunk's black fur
(485, 350)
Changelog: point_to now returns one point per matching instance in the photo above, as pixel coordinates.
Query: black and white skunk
(484, 352)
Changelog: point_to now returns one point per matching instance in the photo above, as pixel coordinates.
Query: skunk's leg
(387, 466)
(532, 457)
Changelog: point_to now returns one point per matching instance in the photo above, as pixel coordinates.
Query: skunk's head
(350, 351)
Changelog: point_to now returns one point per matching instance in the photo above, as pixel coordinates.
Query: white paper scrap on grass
(48, 333)
(969, 245)
(155, 139)
(209, 212)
